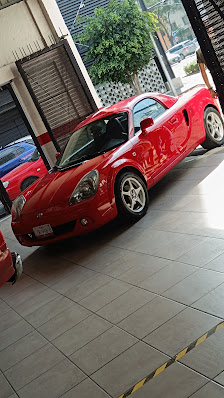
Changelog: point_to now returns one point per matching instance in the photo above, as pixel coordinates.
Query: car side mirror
(145, 124)
(57, 155)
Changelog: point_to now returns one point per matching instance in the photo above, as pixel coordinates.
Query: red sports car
(17, 180)
(10, 264)
(111, 161)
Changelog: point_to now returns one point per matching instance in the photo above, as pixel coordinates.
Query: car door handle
(174, 120)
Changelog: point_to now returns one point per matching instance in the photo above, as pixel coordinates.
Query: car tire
(132, 198)
(214, 129)
(27, 182)
(182, 57)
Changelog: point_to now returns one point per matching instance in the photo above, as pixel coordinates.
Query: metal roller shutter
(58, 90)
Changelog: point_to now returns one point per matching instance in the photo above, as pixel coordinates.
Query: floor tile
(180, 331)
(6, 390)
(9, 319)
(150, 240)
(14, 333)
(36, 302)
(85, 288)
(146, 265)
(125, 263)
(26, 294)
(217, 264)
(81, 334)
(203, 253)
(123, 235)
(72, 280)
(105, 295)
(102, 350)
(208, 357)
(53, 383)
(9, 290)
(167, 277)
(129, 368)
(125, 304)
(103, 257)
(4, 308)
(50, 272)
(100, 257)
(21, 349)
(150, 316)
(64, 321)
(212, 302)
(194, 286)
(209, 390)
(49, 311)
(86, 389)
(220, 378)
(33, 366)
(179, 246)
(175, 382)
(171, 202)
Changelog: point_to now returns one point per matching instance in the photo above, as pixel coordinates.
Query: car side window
(147, 107)
(6, 155)
(19, 150)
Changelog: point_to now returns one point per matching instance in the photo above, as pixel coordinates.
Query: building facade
(42, 76)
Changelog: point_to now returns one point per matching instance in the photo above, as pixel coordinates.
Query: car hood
(56, 187)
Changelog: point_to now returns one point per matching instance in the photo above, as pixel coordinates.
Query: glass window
(146, 108)
(94, 139)
(7, 155)
(175, 49)
(19, 150)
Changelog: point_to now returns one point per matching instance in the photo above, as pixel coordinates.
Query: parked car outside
(173, 58)
(183, 49)
(195, 41)
(111, 161)
(13, 155)
(17, 180)
(10, 264)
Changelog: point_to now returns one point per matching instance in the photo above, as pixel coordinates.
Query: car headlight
(5, 184)
(17, 207)
(86, 188)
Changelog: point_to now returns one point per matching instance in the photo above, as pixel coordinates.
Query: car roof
(178, 44)
(27, 139)
(125, 105)
(22, 144)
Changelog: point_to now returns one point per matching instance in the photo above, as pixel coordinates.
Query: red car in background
(17, 180)
(10, 264)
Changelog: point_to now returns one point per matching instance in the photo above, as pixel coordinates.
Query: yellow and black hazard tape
(172, 360)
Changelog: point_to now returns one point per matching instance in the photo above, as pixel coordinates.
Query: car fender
(119, 166)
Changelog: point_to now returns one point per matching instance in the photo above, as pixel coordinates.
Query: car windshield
(94, 139)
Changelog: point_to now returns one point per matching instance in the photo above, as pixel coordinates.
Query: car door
(165, 139)
(149, 147)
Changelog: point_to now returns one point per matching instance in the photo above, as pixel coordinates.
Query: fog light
(84, 222)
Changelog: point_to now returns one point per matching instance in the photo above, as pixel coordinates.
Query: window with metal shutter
(58, 89)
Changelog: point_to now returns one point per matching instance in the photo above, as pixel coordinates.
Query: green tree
(118, 40)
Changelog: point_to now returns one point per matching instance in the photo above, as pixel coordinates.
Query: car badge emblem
(39, 215)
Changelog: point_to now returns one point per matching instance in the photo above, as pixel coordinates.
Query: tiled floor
(92, 316)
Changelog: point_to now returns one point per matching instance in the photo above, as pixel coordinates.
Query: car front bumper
(65, 223)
